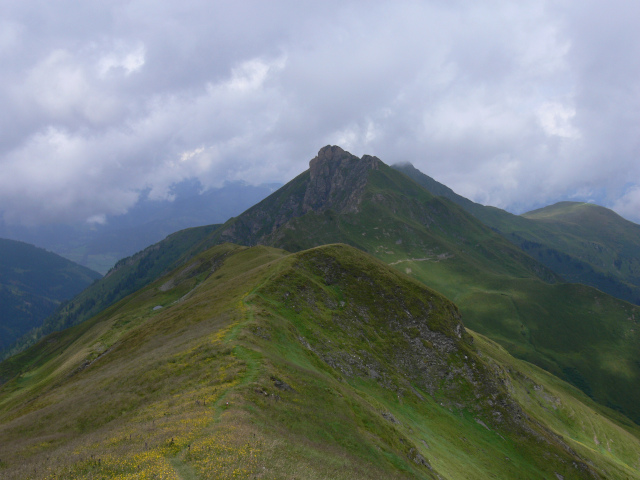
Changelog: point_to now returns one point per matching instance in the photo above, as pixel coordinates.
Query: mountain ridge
(581, 242)
(325, 363)
(575, 332)
(503, 292)
(216, 360)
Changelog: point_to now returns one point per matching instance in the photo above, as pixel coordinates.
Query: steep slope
(33, 283)
(100, 245)
(576, 332)
(127, 276)
(584, 243)
(252, 363)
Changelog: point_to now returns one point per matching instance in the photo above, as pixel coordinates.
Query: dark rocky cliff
(335, 180)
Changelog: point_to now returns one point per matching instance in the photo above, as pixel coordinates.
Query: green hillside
(127, 276)
(255, 363)
(576, 332)
(582, 242)
(33, 283)
(595, 235)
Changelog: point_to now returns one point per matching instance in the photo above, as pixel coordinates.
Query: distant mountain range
(100, 245)
(321, 332)
(33, 283)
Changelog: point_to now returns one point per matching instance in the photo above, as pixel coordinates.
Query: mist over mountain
(100, 242)
(350, 293)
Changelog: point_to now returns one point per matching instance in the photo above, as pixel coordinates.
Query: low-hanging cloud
(514, 105)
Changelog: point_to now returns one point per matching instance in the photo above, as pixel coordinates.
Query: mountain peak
(332, 159)
(576, 212)
(403, 164)
(326, 156)
(337, 178)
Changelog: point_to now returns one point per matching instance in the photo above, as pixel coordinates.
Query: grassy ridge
(255, 363)
(311, 365)
(582, 242)
(574, 331)
(577, 333)
(127, 276)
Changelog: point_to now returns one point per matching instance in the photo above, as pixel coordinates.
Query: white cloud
(10, 36)
(100, 219)
(629, 204)
(556, 119)
(60, 90)
(126, 60)
(58, 84)
(515, 104)
(251, 75)
(190, 155)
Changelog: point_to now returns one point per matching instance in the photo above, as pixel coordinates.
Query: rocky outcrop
(337, 180)
(370, 324)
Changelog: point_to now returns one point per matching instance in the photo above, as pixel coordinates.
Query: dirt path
(411, 260)
(250, 358)
(437, 258)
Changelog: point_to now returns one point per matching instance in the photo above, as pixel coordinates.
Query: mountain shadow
(33, 283)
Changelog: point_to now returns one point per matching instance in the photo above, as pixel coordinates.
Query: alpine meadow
(362, 321)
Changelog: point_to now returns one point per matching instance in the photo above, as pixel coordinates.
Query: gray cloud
(514, 105)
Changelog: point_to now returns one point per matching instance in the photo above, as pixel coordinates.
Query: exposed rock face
(337, 180)
(373, 324)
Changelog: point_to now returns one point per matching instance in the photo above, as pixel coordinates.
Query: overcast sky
(512, 104)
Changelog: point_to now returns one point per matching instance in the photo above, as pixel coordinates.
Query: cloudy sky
(512, 104)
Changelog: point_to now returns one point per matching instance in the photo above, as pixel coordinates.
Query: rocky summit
(337, 180)
(358, 326)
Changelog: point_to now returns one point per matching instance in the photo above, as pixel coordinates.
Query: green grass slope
(33, 283)
(127, 276)
(576, 332)
(595, 235)
(582, 242)
(254, 363)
